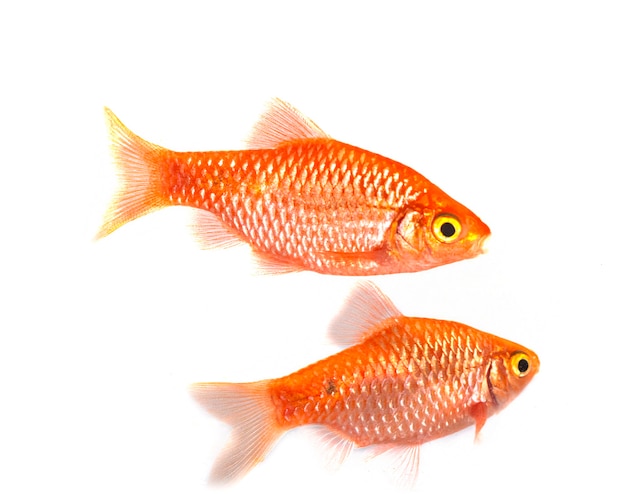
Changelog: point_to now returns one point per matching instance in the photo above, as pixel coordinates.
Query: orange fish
(301, 199)
(405, 381)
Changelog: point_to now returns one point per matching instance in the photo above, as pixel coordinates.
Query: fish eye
(520, 363)
(446, 228)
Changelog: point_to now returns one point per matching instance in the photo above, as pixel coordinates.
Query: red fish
(405, 381)
(300, 199)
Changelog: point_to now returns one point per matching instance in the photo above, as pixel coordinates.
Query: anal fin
(267, 264)
(403, 460)
(336, 447)
(212, 233)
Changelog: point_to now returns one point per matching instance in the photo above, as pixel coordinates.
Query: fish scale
(397, 369)
(271, 213)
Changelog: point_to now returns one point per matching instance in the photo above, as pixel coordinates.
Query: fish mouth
(483, 244)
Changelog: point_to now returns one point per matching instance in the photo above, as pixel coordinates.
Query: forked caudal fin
(138, 163)
(248, 408)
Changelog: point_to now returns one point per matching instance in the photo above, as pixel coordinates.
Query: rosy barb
(300, 199)
(405, 381)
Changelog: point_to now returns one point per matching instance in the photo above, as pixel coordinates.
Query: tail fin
(138, 163)
(248, 408)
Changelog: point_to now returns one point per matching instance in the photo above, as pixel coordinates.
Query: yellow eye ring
(446, 228)
(520, 362)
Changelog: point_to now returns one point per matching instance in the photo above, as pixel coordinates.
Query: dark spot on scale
(331, 387)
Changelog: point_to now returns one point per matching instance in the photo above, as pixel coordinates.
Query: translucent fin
(248, 408)
(403, 461)
(267, 264)
(479, 413)
(336, 447)
(138, 162)
(361, 315)
(211, 232)
(282, 123)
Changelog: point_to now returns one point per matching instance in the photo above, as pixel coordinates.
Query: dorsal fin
(365, 308)
(282, 123)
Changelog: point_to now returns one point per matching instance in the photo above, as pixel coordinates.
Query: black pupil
(448, 229)
(522, 365)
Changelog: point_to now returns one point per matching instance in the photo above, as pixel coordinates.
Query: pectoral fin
(479, 413)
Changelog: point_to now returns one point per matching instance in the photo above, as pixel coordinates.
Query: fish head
(511, 368)
(438, 230)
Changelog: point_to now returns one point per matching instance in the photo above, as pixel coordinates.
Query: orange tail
(248, 408)
(138, 163)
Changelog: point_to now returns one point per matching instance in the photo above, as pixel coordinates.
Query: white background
(516, 109)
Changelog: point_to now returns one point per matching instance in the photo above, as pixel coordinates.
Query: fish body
(300, 199)
(403, 382)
